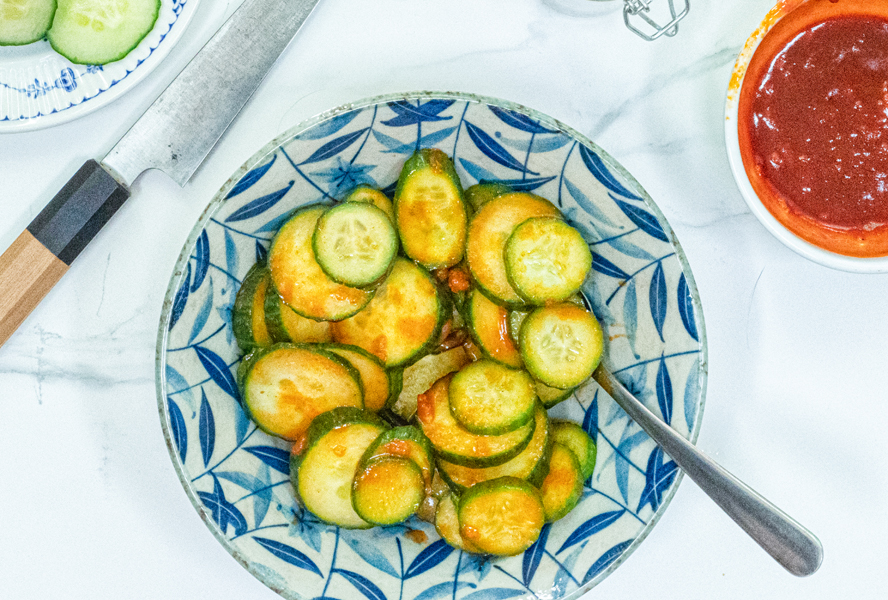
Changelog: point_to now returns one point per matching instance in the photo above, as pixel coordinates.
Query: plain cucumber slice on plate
(24, 21)
(97, 32)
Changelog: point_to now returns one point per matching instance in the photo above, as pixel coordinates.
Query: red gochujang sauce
(813, 124)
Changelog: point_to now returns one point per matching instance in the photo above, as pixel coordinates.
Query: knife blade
(174, 135)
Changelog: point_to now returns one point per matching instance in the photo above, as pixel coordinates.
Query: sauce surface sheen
(813, 127)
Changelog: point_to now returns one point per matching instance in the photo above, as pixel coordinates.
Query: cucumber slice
(563, 486)
(396, 384)
(355, 243)
(404, 442)
(248, 316)
(488, 232)
(98, 32)
(488, 398)
(502, 516)
(550, 396)
(577, 441)
(430, 211)
(374, 377)
(547, 260)
(516, 318)
(402, 322)
(325, 471)
(24, 21)
(532, 464)
(454, 444)
(419, 377)
(286, 325)
(365, 193)
(388, 490)
(561, 344)
(300, 281)
(489, 326)
(447, 525)
(482, 193)
(284, 387)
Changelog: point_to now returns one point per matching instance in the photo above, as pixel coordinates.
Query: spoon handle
(789, 543)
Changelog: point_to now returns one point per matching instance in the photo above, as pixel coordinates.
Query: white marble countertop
(90, 506)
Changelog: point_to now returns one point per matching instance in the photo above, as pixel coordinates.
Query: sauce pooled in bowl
(813, 124)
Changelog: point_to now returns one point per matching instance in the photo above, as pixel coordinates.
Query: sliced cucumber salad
(411, 352)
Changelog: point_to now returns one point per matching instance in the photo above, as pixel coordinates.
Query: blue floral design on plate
(40, 88)
(641, 289)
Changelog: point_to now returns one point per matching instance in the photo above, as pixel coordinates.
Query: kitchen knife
(174, 135)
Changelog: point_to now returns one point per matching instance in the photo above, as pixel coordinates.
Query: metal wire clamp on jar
(648, 25)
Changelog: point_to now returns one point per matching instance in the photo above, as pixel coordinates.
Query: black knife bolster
(77, 213)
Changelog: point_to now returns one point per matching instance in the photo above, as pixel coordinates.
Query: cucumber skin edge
(242, 311)
(118, 57)
(421, 160)
(326, 422)
(42, 36)
(251, 359)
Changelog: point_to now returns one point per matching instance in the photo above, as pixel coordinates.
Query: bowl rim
(802, 247)
(252, 161)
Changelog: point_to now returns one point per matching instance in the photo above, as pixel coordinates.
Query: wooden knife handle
(44, 251)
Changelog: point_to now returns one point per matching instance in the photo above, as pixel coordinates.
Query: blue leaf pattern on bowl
(206, 428)
(597, 167)
(533, 556)
(686, 307)
(519, 120)
(277, 459)
(259, 205)
(240, 478)
(248, 180)
(664, 391)
(202, 261)
(178, 430)
(493, 150)
(288, 554)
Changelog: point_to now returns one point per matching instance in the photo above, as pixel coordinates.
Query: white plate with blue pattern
(641, 290)
(40, 88)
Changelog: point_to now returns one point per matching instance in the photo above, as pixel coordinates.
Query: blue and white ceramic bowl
(641, 290)
(40, 88)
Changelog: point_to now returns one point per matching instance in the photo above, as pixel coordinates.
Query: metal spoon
(794, 547)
